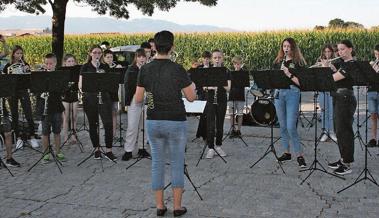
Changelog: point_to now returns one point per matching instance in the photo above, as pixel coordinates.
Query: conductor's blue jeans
(172, 136)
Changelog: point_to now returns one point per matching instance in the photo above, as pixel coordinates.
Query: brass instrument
(45, 96)
(16, 69)
(215, 97)
(173, 56)
(100, 98)
(98, 70)
(373, 63)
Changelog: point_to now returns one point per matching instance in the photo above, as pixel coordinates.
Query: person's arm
(140, 92)
(291, 76)
(227, 88)
(339, 75)
(189, 92)
(80, 84)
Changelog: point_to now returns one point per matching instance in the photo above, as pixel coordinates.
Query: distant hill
(103, 24)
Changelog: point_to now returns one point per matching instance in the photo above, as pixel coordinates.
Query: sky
(251, 15)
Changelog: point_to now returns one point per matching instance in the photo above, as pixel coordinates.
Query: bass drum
(263, 112)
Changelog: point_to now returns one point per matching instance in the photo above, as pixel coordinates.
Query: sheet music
(196, 107)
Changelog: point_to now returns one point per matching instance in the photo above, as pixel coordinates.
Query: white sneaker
(210, 153)
(324, 137)
(220, 151)
(333, 136)
(34, 143)
(19, 144)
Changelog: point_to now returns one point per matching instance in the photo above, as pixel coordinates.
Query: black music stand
(239, 79)
(372, 78)
(7, 89)
(98, 83)
(23, 83)
(271, 79)
(53, 81)
(121, 72)
(316, 80)
(209, 77)
(73, 74)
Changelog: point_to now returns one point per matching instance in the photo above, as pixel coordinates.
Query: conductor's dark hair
(164, 41)
(145, 45)
(105, 43)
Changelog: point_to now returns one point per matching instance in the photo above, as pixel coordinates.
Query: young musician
(108, 59)
(164, 81)
(288, 100)
(202, 127)
(52, 117)
(344, 104)
(325, 99)
(18, 65)
(6, 129)
(215, 111)
(70, 102)
(91, 106)
(236, 101)
(152, 44)
(135, 117)
(373, 102)
(147, 47)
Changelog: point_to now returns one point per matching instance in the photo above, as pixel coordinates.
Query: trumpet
(45, 96)
(373, 63)
(173, 56)
(329, 61)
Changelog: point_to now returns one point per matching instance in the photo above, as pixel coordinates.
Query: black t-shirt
(290, 65)
(236, 93)
(163, 81)
(54, 103)
(348, 70)
(130, 82)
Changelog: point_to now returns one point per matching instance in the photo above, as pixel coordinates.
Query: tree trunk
(58, 21)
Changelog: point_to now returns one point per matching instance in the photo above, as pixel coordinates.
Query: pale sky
(250, 15)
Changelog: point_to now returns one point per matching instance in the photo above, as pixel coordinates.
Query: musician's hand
(325, 63)
(376, 68)
(333, 68)
(285, 70)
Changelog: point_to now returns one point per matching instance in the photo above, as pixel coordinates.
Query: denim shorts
(373, 102)
(238, 107)
(52, 121)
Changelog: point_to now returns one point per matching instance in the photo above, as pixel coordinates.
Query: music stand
(121, 72)
(316, 80)
(372, 78)
(73, 75)
(210, 77)
(239, 79)
(271, 79)
(7, 89)
(98, 83)
(53, 81)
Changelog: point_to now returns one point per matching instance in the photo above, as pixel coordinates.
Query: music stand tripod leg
(5, 166)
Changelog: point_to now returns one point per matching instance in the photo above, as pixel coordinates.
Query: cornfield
(257, 48)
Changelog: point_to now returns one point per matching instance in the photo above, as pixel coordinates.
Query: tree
(115, 8)
(336, 23)
(350, 24)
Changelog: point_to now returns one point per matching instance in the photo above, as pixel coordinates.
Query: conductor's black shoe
(180, 212)
(371, 143)
(161, 212)
(98, 155)
(284, 157)
(110, 156)
(335, 165)
(127, 156)
(301, 162)
(143, 153)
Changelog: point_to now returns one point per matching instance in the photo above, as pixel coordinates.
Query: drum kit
(262, 110)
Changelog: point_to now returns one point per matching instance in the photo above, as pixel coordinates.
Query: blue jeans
(326, 104)
(163, 135)
(373, 102)
(287, 110)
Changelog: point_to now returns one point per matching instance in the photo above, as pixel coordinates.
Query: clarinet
(1, 111)
(98, 70)
(215, 97)
(45, 96)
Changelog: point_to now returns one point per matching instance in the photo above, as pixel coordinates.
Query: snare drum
(263, 112)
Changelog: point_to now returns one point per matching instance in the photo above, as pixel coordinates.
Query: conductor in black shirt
(164, 81)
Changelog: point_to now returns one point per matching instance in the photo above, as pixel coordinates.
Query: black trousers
(92, 110)
(344, 105)
(215, 122)
(23, 97)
